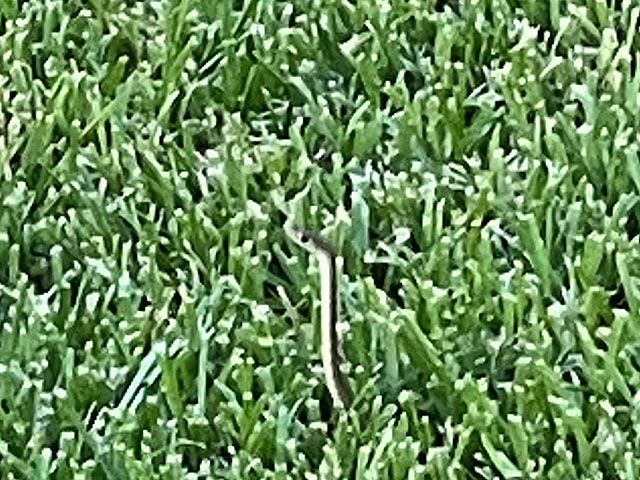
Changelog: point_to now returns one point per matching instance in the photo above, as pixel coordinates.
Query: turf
(475, 162)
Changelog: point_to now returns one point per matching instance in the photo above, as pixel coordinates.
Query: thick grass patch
(475, 162)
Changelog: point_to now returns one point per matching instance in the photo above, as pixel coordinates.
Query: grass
(476, 163)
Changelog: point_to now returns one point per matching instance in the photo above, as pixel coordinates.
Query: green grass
(476, 164)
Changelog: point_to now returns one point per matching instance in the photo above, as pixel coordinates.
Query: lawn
(475, 163)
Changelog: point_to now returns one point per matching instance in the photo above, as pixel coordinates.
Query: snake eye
(300, 234)
(304, 237)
